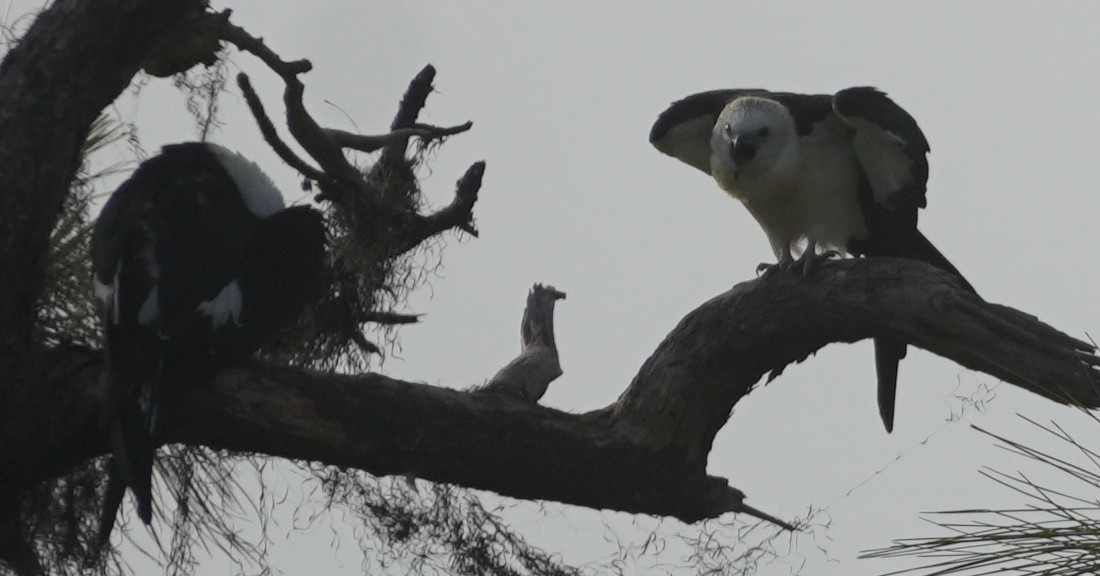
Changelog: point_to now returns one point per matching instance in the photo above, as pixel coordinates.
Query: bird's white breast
(816, 197)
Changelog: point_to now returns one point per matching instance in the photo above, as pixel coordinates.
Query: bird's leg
(785, 262)
(810, 258)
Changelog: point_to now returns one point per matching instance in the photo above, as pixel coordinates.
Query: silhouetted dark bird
(197, 263)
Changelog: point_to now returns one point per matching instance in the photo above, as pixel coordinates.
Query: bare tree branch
(302, 126)
(255, 46)
(458, 214)
(391, 318)
(271, 135)
(339, 178)
(375, 218)
(646, 453)
(414, 100)
(366, 143)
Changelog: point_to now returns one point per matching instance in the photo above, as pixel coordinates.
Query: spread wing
(683, 130)
(889, 146)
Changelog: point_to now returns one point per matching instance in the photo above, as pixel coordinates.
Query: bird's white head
(754, 139)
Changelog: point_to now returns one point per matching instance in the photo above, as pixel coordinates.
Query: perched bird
(196, 264)
(843, 172)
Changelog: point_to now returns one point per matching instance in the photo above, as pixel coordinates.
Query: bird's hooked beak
(742, 151)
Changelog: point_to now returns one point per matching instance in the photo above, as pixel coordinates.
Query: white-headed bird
(844, 173)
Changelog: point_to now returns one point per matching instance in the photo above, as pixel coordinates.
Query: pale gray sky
(562, 96)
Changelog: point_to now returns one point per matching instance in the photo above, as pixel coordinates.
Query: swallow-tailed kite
(844, 172)
(196, 265)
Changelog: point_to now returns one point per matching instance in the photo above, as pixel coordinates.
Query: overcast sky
(562, 96)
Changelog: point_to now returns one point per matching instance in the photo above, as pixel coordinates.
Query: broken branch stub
(528, 375)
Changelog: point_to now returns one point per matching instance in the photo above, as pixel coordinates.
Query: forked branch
(338, 176)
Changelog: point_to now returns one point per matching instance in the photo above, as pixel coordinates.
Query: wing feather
(683, 130)
(889, 146)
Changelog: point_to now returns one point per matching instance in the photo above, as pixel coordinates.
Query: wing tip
(876, 106)
(852, 101)
(690, 107)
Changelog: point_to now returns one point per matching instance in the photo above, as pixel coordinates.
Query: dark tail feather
(924, 250)
(131, 466)
(135, 362)
(133, 460)
(142, 489)
(116, 489)
(888, 353)
(112, 500)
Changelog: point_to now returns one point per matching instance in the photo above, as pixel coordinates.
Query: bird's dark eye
(763, 131)
(729, 131)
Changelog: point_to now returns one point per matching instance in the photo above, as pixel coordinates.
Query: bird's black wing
(893, 154)
(889, 145)
(282, 273)
(683, 130)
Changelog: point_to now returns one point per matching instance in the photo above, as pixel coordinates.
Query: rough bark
(646, 453)
(76, 59)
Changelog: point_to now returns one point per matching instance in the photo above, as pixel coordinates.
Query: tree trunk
(74, 61)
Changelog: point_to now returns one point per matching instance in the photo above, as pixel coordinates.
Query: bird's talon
(810, 261)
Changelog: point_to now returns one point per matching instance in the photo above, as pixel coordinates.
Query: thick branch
(686, 389)
(385, 426)
(646, 453)
(194, 41)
